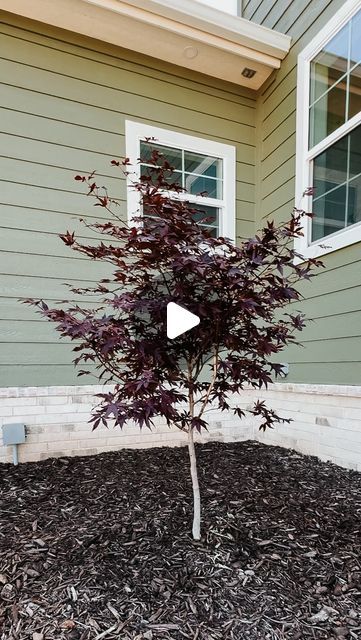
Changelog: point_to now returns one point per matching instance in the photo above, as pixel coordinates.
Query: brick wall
(326, 423)
(56, 420)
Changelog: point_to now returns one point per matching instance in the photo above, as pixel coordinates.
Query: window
(329, 134)
(201, 166)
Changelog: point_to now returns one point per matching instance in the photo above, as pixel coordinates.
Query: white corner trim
(137, 131)
(349, 235)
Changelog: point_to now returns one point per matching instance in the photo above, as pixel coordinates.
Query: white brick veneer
(56, 420)
(326, 423)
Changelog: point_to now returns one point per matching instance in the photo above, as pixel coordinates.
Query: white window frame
(135, 132)
(304, 156)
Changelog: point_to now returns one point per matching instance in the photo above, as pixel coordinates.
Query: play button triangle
(179, 320)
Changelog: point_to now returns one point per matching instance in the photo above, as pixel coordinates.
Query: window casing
(328, 134)
(200, 166)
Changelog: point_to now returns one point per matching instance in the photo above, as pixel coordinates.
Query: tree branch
(213, 380)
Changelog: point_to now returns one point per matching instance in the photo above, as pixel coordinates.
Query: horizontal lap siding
(331, 342)
(64, 100)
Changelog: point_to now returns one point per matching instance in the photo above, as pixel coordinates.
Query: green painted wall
(331, 350)
(63, 103)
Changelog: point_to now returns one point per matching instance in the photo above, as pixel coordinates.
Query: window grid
(348, 178)
(339, 80)
(345, 79)
(223, 208)
(346, 76)
(348, 15)
(184, 174)
(347, 184)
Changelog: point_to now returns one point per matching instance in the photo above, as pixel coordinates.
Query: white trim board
(351, 234)
(137, 131)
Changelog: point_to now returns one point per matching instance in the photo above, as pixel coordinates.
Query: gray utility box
(13, 433)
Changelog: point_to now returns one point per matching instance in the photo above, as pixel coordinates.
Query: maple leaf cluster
(241, 294)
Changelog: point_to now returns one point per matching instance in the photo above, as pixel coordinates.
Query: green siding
(331, 342)
(64, 100)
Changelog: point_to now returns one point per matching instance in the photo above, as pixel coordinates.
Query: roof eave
(195, 37)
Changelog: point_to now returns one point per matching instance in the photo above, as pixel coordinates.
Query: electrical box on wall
(13, 433)
(285, 369)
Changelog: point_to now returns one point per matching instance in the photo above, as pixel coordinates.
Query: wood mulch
(100, 547)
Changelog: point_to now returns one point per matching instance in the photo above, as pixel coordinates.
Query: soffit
(185, 33)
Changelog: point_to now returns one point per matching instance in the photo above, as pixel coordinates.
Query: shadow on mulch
(100, 547)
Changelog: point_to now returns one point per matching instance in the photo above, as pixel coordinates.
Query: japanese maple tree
(241, 294)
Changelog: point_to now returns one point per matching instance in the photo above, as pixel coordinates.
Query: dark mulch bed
(100, 547)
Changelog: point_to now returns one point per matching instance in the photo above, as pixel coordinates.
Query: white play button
(179, 320)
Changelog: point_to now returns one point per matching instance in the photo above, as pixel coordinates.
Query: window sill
(340, 240)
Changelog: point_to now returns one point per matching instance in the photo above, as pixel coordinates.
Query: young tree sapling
(241, 294)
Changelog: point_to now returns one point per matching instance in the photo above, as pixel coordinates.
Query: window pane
(322, 79)
(355, 38)
(203, 165)
(213, 232)
(174, 156)
(340, 163)
(329, 213)
(172, 177)
(199, 185)
(355, 92)
(330, 64)
(328, 113)
(208, 217)
(354, 201)
(330, 167)
(205, 215)
(204, 211)
(355, 152)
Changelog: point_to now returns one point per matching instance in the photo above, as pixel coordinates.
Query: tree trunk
(196, 530)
